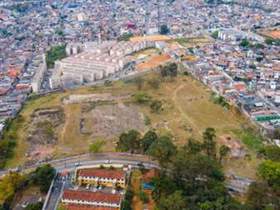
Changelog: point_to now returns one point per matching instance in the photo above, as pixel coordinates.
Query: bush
(156, 106)
(55, 53)
(170, 70)
(96, 146)
(142, 98)
(147, 120)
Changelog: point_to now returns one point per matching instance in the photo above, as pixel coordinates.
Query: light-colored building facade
(96, 62)
(103, 177)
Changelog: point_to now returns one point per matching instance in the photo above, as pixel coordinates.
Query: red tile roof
(104, 173)
(91, 196)
(84, 207)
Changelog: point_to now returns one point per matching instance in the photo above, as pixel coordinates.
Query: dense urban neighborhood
(140, 104)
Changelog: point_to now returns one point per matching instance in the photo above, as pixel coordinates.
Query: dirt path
(181, 110)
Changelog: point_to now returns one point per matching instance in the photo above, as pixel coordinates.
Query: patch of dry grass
(187, 112)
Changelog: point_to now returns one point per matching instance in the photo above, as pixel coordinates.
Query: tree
(193, 146)
(148, 139)
(129, 141)
(276, 133)
(163, 185)
(96, 146)
(164, 29)
(34, 206)
(175, 201)
(55, 53)
(162, 149)
(270, 171)
(223, 152)
(169, 70)
(9, 185)
(245, 43)
(43, 177)
(209, 142)
(125, 37)
(215, 34)
(260, 197)
(143, 197)
(156, 106)
(271, 152)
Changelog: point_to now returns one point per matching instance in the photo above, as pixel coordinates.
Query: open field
(187, 112)
(191, 41)
(274, 34)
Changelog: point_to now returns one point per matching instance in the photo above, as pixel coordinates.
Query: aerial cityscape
(140, 104)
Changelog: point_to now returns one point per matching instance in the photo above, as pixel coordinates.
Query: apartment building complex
(92, 199)
(104, 177)
(97, 61)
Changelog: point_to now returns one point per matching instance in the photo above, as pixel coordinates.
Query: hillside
(62, 124)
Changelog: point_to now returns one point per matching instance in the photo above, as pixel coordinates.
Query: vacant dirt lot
(109, 121)
(275, 34)
(154, 62)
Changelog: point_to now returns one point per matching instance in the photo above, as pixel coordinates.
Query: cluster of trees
(13, 183)
(164, 30)
(220, 100)
(192, 176)
(127, 201)
(55, 53)
(9, 138)
(271, 41)
(162, 147)
(125, 37)
(265, 193)
(169, 70)
(35, 206)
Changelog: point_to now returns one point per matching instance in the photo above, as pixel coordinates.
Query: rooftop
(91, 196)
(104, 173)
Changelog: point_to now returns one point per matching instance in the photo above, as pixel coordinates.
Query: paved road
(87, 159)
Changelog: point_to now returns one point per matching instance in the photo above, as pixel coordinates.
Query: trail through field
(181, 110)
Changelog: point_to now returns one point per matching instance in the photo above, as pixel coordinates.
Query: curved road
(70, 163)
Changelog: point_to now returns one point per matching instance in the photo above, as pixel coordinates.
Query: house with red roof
(91, 200)
(103, 177)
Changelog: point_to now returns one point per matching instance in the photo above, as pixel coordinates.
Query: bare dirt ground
(275, 34)
(43, 132)
(109, 121)
(154, 62)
